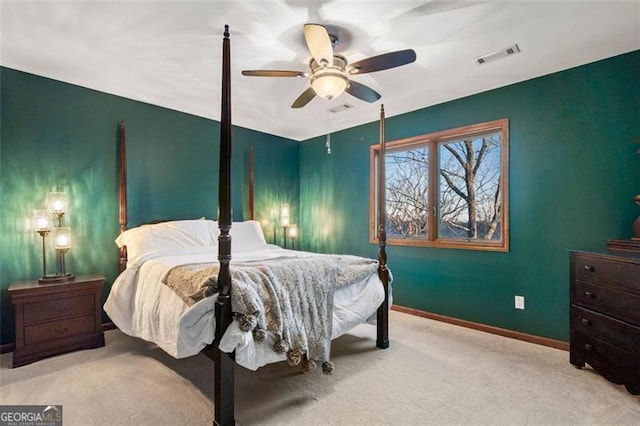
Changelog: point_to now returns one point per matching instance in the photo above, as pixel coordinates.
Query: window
(446, 189)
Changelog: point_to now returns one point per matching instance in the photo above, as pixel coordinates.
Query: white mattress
(140, 305)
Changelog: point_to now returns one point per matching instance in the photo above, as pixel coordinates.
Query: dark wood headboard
(122, 199)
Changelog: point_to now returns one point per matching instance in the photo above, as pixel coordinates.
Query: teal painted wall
(56, 135)
(573, 174)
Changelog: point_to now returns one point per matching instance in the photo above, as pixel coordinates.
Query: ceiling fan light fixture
(329, 83)
(329, 75)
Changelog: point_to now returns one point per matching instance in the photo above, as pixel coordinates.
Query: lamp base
(54, 279)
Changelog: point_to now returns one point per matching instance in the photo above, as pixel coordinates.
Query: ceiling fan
(329, 75)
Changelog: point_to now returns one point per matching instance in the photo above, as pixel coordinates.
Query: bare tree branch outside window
(463, 172)
(407, 197)
(469, 188)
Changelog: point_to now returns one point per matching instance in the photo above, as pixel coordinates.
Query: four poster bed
(182, 292)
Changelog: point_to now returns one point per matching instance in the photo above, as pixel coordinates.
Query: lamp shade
(284, 214)
(62, 238)
(41, 221)
(293, 231)
(329, 83)
(57, 202)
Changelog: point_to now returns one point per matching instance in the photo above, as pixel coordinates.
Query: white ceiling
(168, 53)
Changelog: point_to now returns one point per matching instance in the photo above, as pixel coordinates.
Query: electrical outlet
(519, 301)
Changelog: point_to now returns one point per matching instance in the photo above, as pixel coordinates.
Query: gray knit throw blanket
(292, 298)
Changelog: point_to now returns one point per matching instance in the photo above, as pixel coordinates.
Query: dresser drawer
(58, 308)
(608, 300)
(605, 315)
(618, 333)
(59, 329)
(602, 270)
(616, 365)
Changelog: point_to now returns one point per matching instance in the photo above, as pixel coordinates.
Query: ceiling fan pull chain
(328, 143)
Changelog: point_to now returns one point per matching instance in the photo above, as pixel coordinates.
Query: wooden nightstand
(56, 318)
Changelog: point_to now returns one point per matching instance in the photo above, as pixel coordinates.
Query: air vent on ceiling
(340, 108)
(494, 56)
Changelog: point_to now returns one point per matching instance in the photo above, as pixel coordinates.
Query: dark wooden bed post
(251, 183)
(224, 362)
(382, 340)
(123, 194)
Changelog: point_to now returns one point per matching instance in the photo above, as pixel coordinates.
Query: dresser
(56, 318)
(605, 315)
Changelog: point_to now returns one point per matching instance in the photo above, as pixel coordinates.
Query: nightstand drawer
(59, 329)
(608, 300)
(58, 308)
(56, 318)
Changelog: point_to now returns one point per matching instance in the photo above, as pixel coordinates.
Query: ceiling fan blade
(304, 98)
(319, 44)
(273, 73)
(363, 92)
(383, 62)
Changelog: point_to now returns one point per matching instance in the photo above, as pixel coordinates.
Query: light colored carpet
(433, 373)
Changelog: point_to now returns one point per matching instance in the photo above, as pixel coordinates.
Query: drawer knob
(589, 294)
(61, 329)
(61, 308)
(585, 321)
(588, 347)
(588, 268)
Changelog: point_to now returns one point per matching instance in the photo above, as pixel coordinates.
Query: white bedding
(140, 305)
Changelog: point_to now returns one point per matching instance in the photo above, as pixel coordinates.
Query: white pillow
(247, 235)
(167, 235)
